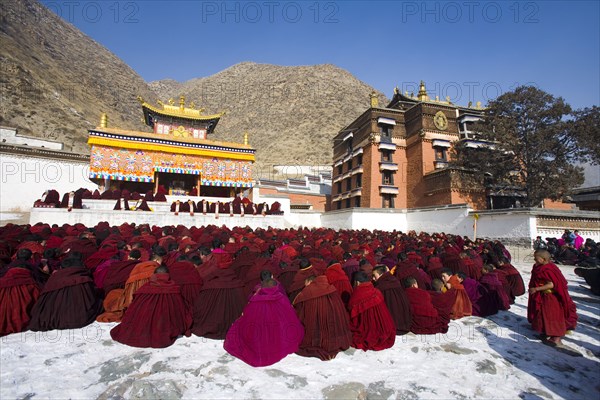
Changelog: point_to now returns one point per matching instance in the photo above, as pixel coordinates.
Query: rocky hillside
(56, 81)
(291, 113)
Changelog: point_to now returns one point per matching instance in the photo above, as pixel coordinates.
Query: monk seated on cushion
(74, 282)
(157, 315)
(268, 329)
(371, 323)
(326, 324)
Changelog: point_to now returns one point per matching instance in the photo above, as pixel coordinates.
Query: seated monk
(425, 318)
(371, 323)
(50, 198)
(71, 200)
(118, 272)
(221, 299)
(495, 298)
(462, 305)
(18, 294)
(326, 324)
(184, 273)
(141, 205)
(117, 300)
(161, 194)
(305, 269)
(442, 299)
(268, 329)
(122, 204)
(475, 291)
(338, 278)
(513, 277)
(395, 298)
(73, 282)
(157, 315)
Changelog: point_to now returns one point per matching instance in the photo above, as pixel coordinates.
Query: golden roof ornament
(181, 102)
(171, 101)
(396, 90)
(246, 138)
(422, 95)
(374, 100)
(104, 121)
(478, 104)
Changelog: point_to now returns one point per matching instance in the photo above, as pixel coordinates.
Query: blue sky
(468, 50)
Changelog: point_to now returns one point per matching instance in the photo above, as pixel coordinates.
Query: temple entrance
(177, 184)
(216, 191)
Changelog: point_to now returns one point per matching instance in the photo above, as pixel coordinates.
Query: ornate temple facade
(397, 156)
(178, 154)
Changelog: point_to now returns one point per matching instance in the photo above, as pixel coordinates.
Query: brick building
(397, 156)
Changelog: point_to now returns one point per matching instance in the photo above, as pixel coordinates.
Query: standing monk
(550, 310)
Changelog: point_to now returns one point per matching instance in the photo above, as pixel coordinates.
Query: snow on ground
(495, 358)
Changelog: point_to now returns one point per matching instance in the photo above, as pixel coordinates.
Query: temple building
(397, 156)
(179, 154)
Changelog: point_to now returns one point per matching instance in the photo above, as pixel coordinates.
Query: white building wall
(9, 135)
(364, 218)
(450, 219)
(23, 179)
(506, 226)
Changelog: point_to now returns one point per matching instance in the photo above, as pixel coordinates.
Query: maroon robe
(297, 284)
(220, 302)
(157, 315)
(396, 301)
(551, 312)
(350, 267)
(326, 323)
(267, 331)
(117, 274)
(184, 274)
(443, 303)
(371, 323)
(515, 281)
(425, 318)
(68, 301)
(338, 278)
(495, 298)
(18, 294)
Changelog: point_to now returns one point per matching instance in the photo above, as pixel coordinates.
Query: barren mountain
(56, 82)
(290, 113)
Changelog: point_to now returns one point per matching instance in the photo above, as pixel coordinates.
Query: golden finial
(171, 101)
(181, 102)
(422, 96)
(396, 90)
(437, 98)
(160, 103)
(192, 105)
(448, 100)
(406, 93)
(478, 104)
(246, 138)
(374, 100)
(140, 99)
(104, 121)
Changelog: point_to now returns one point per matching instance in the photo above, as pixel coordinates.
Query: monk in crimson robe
(157, 315)
(350, 265)
(476, 293)
(338, 278)
(513, 277)
(550, 309)
(69, 299)
(326, 324)
(425, 318)
(117, 300)
(443, 299)
(394, 297)
(462, 305)
(18, 294)
(305, 270)
(495, 298)
(118, 272)
(268, 329)
(371, 323)
(184, 273)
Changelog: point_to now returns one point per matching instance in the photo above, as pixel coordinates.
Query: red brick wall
(318, 201)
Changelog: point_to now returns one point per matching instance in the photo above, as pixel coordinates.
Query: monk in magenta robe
(371, 323)
(268, 329)
(513, 277)
(157, 315)
(18, 294)
(550, 310)
(326, 324)
(495, 298)
(395, 298)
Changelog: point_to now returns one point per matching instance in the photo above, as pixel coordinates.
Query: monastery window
(440, 154)
(386, 155)
(359, 160)
(348, 203)
(357, 201)
(385, 130)
(387, 201)
(339, 187)
(349, 184)
(340, 169)
(359, 180)
(388, 178)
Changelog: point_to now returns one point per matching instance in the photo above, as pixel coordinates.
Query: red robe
(396, 301)
(338, 278)
(117, 274)
(184, 274)
(495, 298)
(515, 281)
(462, 305)
(425, 318)
(157, 315)
(267, 331)
(550, 312)
(371, 323)
(68, 301)
(297, 284)
(18, 294)
(326, 323)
